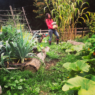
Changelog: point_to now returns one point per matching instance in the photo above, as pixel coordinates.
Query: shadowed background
(35, 23)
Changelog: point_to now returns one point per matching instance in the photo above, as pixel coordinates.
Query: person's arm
(49, 25)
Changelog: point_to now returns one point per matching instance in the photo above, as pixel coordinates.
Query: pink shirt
(49, 23)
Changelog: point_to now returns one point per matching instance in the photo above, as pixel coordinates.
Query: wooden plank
(76, 32)
(12, 15)
(65, 29)
(10, 68)
(9, 10)
(41, 30)
(82, 31)
(64, 32)
(26, 19)
(2, 21)
(8, 19)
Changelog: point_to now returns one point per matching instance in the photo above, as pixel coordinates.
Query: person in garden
(51, 28)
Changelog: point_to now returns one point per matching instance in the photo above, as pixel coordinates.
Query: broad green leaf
(81, 84)
(6, 86)
(21, 80)
(15, 94)
(84, 92)
(79, 65)
(93, 78)
(19, 87)
(75, 48)
(37, 89)
(16, 81)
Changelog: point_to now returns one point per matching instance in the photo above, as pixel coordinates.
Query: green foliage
(83, 39)
(8, 33)
(66, 45)
(91, 23)
(52, 55)
(75, 49)
(14, 83)
(21, 48)
(63, 12)
(3, 58)
(39, 47)
(79, 65)
(89, 49)
(83, 85)
(82, 68)
(39, 4)
(44, 81)
(15, 45)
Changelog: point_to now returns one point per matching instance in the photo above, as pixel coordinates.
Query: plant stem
(22, 60)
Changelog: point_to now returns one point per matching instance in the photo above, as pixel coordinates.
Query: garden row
(16, 45)
(81, 71)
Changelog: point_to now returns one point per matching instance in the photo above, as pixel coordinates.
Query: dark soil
(51, 63)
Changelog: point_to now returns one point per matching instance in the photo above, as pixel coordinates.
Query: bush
(8, 33)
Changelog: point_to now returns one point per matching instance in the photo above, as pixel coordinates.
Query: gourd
(54, 25)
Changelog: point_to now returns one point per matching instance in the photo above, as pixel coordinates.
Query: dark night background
(28, 5)
(35, 23)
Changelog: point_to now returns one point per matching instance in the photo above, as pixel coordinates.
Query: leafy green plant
(79, 65)
(22, 48)
(52, 55)
(8, 33)
(89, 49)
(64, 12)
(77, 68)
(48, 81)
(83, 39)
(1, 48)
(75, 49)
(66, 45)
(40, 47)
(14, 83)
(83, 85)
(3, 58)
(91, 23)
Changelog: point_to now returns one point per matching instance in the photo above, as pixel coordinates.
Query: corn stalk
(64, 11)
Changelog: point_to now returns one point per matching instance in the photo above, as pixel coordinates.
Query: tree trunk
(35, 63)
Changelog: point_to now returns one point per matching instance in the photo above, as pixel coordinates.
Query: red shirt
(49, 23)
